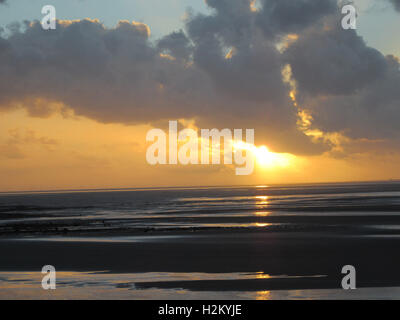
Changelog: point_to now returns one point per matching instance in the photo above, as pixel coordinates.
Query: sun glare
(264, 157)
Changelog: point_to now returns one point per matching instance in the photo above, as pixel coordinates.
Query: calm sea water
(340, 207)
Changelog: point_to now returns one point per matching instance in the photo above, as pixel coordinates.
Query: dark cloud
(346, 85)
(396, 4)
(332, 60)
(112, 75)
(279, 17)
(177, 45)
(369, 113)
(231, 33)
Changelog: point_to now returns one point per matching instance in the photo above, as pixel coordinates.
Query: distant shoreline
(197, 187)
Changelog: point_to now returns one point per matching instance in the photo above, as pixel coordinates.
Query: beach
(292, 254)
(218, 263)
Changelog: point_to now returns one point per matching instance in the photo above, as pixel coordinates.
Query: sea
(275, 207)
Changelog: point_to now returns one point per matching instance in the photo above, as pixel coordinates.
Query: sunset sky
(76, 102)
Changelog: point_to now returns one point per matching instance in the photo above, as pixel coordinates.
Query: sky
(77, 102)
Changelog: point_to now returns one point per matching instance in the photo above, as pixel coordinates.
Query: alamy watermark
(183, 147)
(49, 280)
(49, 20)
(349, 21)
(349, 280)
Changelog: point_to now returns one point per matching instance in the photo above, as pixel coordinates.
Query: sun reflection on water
(263, 295)
(261, 225)
(262, 213)
(262, 200)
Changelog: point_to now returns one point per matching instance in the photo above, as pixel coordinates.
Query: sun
(264, 157)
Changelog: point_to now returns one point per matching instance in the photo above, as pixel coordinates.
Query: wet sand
(312, 261)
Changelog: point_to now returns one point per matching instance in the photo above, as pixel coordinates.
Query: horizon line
(191, 187)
